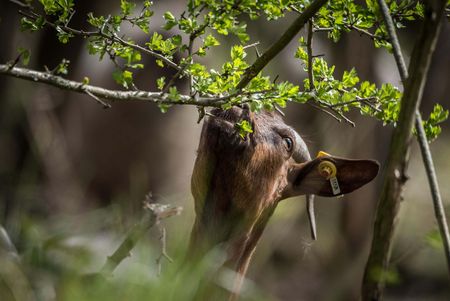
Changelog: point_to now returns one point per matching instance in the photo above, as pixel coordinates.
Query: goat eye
(288, 142)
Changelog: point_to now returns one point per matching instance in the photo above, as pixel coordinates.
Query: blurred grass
(59, 259)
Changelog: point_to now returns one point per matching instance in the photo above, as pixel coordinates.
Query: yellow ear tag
(328, 170)
(322, 154)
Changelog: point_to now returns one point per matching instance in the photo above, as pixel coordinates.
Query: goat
(237, 183)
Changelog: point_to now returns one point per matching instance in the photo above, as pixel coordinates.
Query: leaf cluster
(185, 38)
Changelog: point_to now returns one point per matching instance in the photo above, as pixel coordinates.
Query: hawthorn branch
(282, 42)
(395, 174)
(100, 33)
(364, 100)
(154, 213)
(355, 28)
(99, 93)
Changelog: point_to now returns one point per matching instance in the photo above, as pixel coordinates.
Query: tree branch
(422, 139)
(309, 42)
(154, 213)
(114, 38)
(395, 174)
(352, 27)
(112, 95)
(282, 42)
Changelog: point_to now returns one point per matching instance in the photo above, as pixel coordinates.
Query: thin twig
(163, 254)
(365, 100)
(251, 45)
(335, 111)
(395, 174)
(310, 54)
(104, 104)
(21, 4)
(174, 78)
(361, 31)
(312, 104)
(101, 33)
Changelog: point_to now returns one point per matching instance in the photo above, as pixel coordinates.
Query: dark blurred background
(73, 175)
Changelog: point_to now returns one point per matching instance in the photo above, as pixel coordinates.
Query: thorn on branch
(276, 78)
(251, 45)
(201, 114)
(12, 64)
(278, 109)
(97, 99)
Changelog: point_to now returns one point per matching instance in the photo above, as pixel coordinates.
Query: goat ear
(308, 178)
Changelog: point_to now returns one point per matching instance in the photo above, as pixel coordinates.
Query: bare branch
(312, 104)
(20, 3)
(334, 110)
(154, 213)
(310, 54)
(352, 27)
(101, 33)
(363, 100)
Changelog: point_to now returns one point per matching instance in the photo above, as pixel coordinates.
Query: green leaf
(124, 78)
(244, 128)
(161, 82)
(164, 107)
(174, 94)
(96, 21)
(171, 21)
(24, 55)
(237, 52)
(350, 79)
(431, 126)
(127, 7)
(210, 40)
(302, 54)
(32, 25)
(62, 68)
(63, 36)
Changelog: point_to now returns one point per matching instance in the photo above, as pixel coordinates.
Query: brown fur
(237, 183)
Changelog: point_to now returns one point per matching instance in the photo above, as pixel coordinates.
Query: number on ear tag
(335, 185)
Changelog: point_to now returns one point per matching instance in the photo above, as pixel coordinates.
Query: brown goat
(237, 183)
